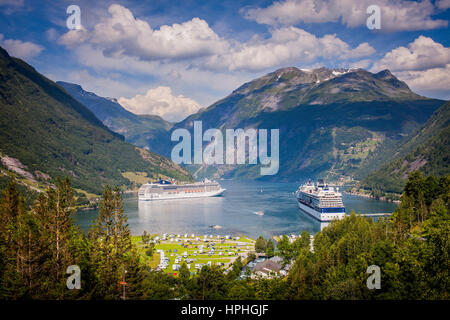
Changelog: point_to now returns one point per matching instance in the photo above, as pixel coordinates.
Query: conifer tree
(11, 209)
(55, 209)
(111, 243)
(34, 254)
(135, 275)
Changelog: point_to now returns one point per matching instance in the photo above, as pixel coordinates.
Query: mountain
(333, 122)
(46, 133)
(144, 131)
(428, 150)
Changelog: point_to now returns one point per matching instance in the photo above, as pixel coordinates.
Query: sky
(171, 58)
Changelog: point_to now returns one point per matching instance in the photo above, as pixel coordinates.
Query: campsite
(168, 252)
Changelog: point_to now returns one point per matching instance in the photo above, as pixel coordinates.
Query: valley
(337, 124)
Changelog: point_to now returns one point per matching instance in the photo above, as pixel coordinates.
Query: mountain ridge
(309, 107)
(46, 133)
(141, 130)
(334, 123)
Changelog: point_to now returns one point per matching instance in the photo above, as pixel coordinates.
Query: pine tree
(11, 210)
(135, 276)
(55, 209)
(34, 255)
(184, 276)
(111, 242)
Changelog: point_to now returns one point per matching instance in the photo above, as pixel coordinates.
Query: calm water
(235, 211)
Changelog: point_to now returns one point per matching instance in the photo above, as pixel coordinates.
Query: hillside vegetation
(334, 123)
(411, 250)
(45, 133)
(428, 151)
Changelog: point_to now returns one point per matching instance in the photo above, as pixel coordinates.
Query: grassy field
(137, 177)
(230, 249)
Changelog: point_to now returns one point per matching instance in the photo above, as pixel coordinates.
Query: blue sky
(173, 57)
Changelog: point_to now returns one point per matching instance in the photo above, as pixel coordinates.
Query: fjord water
(236, 211)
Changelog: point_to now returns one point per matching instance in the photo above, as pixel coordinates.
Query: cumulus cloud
(443, 4)
(20, 49)
(421, 54)
(286, 45)
(122, 34)
(74, 37)
(51, 34)
(435, 80)
(160, 101)
(11, 6)
(395, 15)
(424, 65)
(363, 64)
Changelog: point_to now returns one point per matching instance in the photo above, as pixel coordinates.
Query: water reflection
(181, 215)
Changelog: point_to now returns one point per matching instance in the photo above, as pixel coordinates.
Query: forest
(411, 247)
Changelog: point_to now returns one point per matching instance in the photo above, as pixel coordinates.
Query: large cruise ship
(165, 190)
(320, 201)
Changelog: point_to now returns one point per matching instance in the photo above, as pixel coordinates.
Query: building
(267, 269)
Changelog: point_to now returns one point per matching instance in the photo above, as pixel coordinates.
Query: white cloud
(421, 54)
(11, 6)
(424, 65)
(123, 34)
(287, 45)
(431, 80)
(20, 49)
(395, 15)
(363, 64)
(179, 75)
(443, 4)
(160, 101)
(74, 38)
(51, 34)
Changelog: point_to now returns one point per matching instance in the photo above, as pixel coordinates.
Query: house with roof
(268, 269)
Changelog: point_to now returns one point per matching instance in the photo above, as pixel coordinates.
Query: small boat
(216, 227)
(260, 213)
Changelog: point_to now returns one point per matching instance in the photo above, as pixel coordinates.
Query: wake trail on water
(258, 213)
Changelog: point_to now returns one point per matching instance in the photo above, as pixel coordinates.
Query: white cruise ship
(165, 190)
(320, 201)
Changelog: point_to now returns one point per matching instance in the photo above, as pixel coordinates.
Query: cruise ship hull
(181, 195)
(323, 217)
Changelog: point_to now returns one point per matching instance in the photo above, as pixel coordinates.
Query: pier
(378, 214)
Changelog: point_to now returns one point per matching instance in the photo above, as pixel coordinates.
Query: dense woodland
(411, 248)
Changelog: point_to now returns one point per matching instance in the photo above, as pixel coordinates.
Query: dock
(378, 214)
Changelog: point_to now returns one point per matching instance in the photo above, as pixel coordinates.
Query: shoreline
(369, 196)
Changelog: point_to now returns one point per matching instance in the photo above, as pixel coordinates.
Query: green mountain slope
(428, 151)
(45, 133)
(333, 122)
(145, 131)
